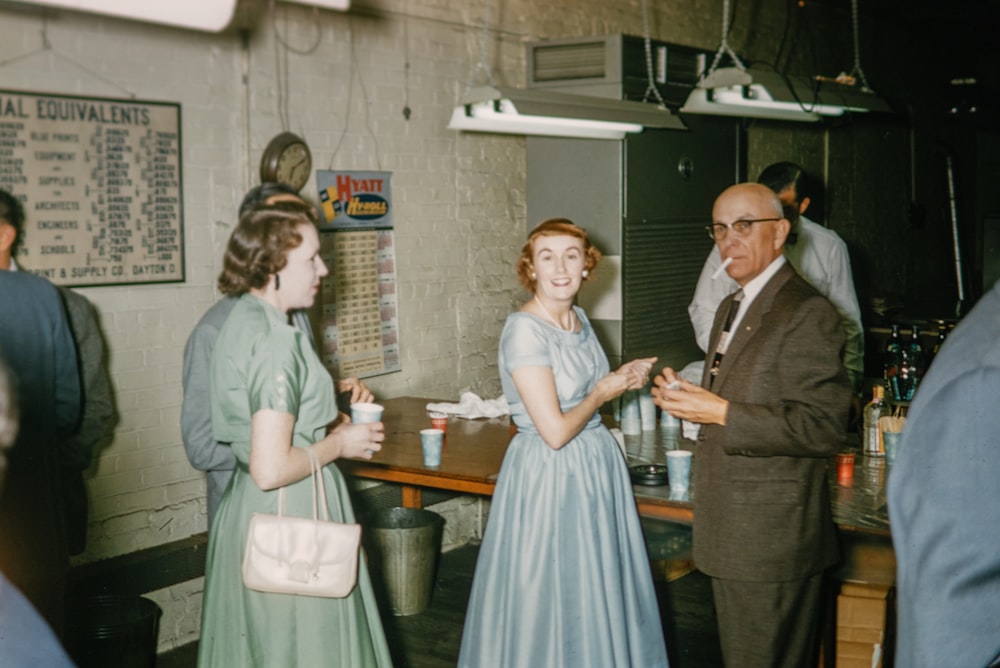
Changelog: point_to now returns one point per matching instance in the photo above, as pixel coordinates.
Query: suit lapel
(748, 325)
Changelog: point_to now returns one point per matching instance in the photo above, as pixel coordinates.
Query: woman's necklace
(572, 317)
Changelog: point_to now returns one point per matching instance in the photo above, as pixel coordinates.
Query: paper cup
(679, 469)
(630, 422)
(647, 412)
(432, 440)
(364, 412)
(439, 421)
(891, 439)
(845, 469)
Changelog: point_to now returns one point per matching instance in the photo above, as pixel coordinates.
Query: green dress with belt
(260, 361)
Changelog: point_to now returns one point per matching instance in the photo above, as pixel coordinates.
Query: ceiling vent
(616, 66)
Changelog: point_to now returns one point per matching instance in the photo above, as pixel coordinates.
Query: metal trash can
(403, 546)
(112, 630)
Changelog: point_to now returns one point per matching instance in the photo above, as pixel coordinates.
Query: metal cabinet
(645, 201)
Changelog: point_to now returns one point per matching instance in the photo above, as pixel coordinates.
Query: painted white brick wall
(459, 199)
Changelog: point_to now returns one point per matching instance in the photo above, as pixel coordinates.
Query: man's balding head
(753, 250)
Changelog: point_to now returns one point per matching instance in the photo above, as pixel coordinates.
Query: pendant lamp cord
(724, 47)
(857, 71)
(650, 85)
(482, 65)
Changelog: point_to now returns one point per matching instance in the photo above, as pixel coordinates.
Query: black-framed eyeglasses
(718, 231)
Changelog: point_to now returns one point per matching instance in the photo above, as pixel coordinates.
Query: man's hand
(688, 401)
(359, 391)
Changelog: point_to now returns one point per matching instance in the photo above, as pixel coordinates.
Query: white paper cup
(365, 412)
(891, 439)
(647, 411)
(432, 441)
(631, 421)
(679, 470)
(668, 420)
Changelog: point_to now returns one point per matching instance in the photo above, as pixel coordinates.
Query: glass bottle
(942, 334)
(914, 363)
(893, 366)
(872, 436)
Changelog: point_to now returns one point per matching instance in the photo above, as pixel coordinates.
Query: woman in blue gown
(563, 577)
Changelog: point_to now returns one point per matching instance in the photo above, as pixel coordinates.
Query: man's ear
(781, 230)
(804, 204)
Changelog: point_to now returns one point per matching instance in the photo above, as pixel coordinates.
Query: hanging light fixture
(510, 110)
(759, 92)
(207, 15)
(507, 110)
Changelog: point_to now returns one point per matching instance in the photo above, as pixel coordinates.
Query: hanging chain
(857, 71)
(724, 47)
(650, 86)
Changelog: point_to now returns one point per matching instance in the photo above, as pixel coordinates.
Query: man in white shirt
(817, 253)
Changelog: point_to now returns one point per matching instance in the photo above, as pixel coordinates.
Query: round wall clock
(286, 159)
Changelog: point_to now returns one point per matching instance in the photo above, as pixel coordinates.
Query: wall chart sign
(359, 322)
(354, 200)
(100, 180)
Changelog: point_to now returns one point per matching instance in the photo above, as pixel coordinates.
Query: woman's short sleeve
(276, 374)
(524, 343)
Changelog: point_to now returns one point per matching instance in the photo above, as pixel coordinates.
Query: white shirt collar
(754, 286)
(757, 283)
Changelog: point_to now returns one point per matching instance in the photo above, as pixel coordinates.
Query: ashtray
(648, 474)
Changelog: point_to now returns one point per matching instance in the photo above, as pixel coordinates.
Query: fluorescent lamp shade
(501, 116)
(530, 112)
(339, 5)
(207, 15)
(768, 94)
(731, 101)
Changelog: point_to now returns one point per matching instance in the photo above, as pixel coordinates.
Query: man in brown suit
(771, 409)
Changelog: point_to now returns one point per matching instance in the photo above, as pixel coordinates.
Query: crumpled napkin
(472, 406)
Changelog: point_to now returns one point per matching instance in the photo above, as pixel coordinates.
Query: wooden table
(471, 459)
(474, 451)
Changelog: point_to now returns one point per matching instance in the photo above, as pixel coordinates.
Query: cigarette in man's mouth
(722, 268)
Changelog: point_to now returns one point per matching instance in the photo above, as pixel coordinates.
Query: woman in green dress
(271, 399)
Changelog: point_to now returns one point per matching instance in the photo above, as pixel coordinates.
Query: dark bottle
(915, 364)
(893, 366)
(942, 334)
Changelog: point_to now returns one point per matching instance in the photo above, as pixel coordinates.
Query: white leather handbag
(299, 555)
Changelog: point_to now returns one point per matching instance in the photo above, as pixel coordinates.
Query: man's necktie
(720, 349)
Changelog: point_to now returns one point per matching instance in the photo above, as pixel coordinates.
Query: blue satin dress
(563, 577)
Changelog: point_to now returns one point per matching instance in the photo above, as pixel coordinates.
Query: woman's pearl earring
(586, 273)
(533, 276)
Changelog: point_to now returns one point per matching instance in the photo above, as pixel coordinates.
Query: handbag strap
(319, 499)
